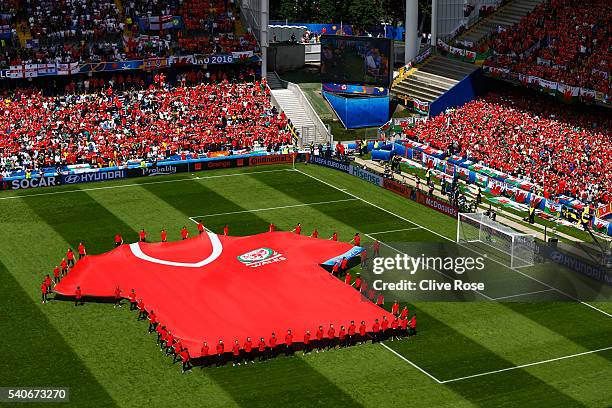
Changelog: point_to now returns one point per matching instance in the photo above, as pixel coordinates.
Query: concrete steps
(431, 80)
(505, 16)
(289, 103)
(274, 81)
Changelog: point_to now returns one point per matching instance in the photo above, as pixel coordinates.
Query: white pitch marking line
(526, 365)
(80, 190)
(441, 273)
(523, 294)
(273, 208)
(397, 230)
(411, 363)
(448, 239)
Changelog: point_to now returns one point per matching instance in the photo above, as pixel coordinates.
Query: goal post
(478, 231)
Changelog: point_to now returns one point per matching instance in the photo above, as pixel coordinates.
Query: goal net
(489, 237)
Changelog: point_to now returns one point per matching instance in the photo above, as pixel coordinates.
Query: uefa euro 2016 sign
(331, 163)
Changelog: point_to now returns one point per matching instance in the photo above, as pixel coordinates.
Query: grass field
(485, 353)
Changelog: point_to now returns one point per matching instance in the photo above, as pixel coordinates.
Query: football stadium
(272, 203)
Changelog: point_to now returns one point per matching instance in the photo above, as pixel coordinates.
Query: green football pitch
(481, 353)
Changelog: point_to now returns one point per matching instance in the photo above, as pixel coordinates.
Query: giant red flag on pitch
(214, 287)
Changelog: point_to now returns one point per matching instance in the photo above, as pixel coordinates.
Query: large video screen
(356, 60)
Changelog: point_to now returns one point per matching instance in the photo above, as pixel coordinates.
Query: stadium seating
(111, 128)
(563, 151)
(562, 41)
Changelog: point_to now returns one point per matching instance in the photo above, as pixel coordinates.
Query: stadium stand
(110, 128)
(561, 41)
(562, 150)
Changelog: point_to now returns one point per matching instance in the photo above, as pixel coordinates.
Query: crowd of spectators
(112, 127)
(562, 150)
(82, 31)
(562, 41)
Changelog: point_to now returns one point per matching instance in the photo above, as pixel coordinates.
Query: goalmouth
(492, 238)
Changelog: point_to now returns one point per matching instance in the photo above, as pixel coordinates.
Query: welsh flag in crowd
(421, 107)
(587, 94)
(604, 211)
(553, 208)
(441, 165)
(535, 200)
(518, 195)
(464, 174)
(482, 180)
(450, 169)
(547, 86)
(600, 225)
(506, 202)
(568, 94)
(496, 187)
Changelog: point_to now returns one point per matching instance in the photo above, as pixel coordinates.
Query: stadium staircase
(289, 98)
(433, 78)
(505, 16)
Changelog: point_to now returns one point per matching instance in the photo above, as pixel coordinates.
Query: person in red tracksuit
(43, 290)
(78, 297)
(356, 239)
(395, 329)
(160, 333)
(200, 228)
(320, 343)
(289, 343)
(362, 332)
(404, 313)
(133, 303)
(261, 349)
(248, 351)
(375, 331)
(186, 360)
(169, 342)
(315, 234)
(164, 235)
(404, 327)
(331, 337)
(184, 233)
(357, 282)
(271, 228)
(298, 228)
(347, 278)
(152, 321)
(384, 326)
(343, 264)
(336, 268)
(351, 333)
(142, 313)
(64, 266)
(334, 236)
(272, 346)
(205, 352)
(142, 235)
(342, 339)
(307, 342)
(226, 230)
(118, 240)
(236, 353)
(380, 300)
(117, 296)
(70, 257)
(412, 325)
(82, 251)
(48, 282)
(56, 274)
(395, 309)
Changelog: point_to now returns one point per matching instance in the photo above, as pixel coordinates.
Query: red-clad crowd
(563, 150)
(111, 128)
(561, 41)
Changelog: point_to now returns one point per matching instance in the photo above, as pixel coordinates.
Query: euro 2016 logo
(259, 257)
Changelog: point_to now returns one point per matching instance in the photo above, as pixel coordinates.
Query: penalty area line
(550, 360)
(411, 363)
